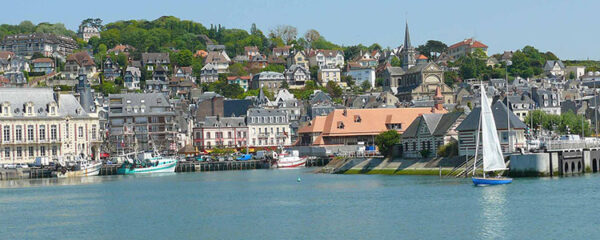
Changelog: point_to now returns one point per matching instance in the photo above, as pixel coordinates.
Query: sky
(566, 28)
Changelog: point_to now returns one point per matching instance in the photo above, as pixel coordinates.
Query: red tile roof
(469, 42)
(373, 121)
(6, 54)
(82, 58)
(422, 57)
(42, 60)
(240, 77)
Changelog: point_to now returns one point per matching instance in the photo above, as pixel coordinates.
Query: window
(414, 146)
(54, 151)
(31, 153)
(30, 133)
(6, 152)
(80, 132)
(19, 151)
(208, 135)
(42, 151)
(340, 125)
(42, 132)
(229, 135)
(67, 130)
(6, 133)
(94, 131)
(53, 132)
(19, 133)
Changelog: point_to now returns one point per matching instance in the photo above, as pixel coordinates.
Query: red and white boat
(289, 160)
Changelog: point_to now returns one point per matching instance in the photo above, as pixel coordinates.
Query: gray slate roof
(214, 121)
(499, 110)
(41, 97)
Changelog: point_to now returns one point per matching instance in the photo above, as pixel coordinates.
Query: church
(417, 79)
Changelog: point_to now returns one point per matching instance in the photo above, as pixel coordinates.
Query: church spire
(407, 37)
(408, 52)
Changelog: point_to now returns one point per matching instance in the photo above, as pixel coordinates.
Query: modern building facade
(140, 122)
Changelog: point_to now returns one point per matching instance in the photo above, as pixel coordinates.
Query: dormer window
(357, 118)
(340, 125)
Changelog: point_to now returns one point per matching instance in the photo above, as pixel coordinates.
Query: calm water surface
(271, 204)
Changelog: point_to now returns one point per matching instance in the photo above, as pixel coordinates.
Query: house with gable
(429, 132)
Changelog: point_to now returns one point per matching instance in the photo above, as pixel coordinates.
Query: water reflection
(493, 208)
(21, 183)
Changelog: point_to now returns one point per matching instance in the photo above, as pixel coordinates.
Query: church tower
(83, 88)
(408, 52)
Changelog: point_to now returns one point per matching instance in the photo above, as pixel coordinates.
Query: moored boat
(491, 152)
(287, 160)
(79, 169)
(151, 165)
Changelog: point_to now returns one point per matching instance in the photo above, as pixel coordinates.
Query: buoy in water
(299, 179)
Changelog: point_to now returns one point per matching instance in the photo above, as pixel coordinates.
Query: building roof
(370, 121)
(67, 104)
(315, 126)
(82, 58)
(422, 57)
(42, 60)
(217, 57)
(121, 48)
(216, 122)
(6, 54)
(154, 58)
(231, 78)
(468, 42)
(499, 111)
(268, 75)
(550, 64)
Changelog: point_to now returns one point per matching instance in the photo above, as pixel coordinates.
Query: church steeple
(407, 37)
(408, 51)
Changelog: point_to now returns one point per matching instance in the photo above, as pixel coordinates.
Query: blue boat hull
(491, 181)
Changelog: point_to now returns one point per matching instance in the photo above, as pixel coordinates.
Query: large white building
(268, 128)
(37, 122)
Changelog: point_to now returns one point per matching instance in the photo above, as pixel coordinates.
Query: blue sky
(567, 28)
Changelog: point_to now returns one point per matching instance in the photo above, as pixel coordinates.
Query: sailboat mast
(476, 144)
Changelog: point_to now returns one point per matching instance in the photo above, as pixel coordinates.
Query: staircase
(464, 169)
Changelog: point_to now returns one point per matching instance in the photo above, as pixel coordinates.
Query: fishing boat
(491, 152)
(79, 168)
(288, 160)
(155, 164)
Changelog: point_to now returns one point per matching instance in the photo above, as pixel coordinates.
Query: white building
(225, 132)
(37, 122)
(329, 74)
(326, 58)
(268, 128)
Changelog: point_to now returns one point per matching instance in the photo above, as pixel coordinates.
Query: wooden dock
(109, 169)
(317, 162)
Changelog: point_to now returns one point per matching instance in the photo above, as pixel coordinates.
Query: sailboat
(491, 151)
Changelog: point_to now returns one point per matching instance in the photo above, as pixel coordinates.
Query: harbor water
(297, 204)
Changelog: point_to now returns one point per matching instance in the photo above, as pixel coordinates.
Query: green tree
(386, 140)
(432, 46)
(183, 58)
(334, 89)
(284, 84)
(237, 69)
(396, 62)
(365, 86)
(274, 68)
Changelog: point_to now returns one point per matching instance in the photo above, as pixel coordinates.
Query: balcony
(263, 135)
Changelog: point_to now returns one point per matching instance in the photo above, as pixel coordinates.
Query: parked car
(244, 157)
(22, 165)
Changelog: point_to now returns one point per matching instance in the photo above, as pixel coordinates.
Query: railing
(553, 145)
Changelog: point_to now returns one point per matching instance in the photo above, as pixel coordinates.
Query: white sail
(491, 151)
